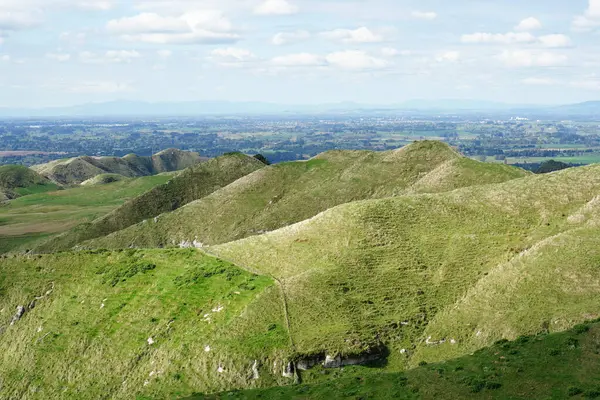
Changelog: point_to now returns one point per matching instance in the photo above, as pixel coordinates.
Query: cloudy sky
(62, 52)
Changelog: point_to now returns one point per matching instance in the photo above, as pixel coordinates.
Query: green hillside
(74, 171)
(556, 366)
(434, 276)
(191, 184)
(283, 194)
(398, 274)
(117, 325)
(17, 180)
(31, 218)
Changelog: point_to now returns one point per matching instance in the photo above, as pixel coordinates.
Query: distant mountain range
(195, 108)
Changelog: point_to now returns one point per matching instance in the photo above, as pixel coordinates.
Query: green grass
(192, 184)
(466, 267)
(87, 336)
(556, 366)
(33, 217)
(21, 181)
(287, 193)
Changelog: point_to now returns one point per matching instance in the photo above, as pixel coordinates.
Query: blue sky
(62, 52)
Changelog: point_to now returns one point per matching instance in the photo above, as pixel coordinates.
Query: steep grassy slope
(119, 325)
(287, 193)
(17, 180)
(556, 366)
(77, 170)
(435, 276)
(34, 217)
(192, 184)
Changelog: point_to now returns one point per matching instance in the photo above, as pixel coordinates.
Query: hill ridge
(74, 171)
(287, 193)
(190, 184)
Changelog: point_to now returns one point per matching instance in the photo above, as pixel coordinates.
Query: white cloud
(111, 56)
(448, 56)
(527, 58)
(499, 38)
(164, 53)
(590, 19)
(426, 15)
(555, 41)
(528, 25)
(538, 81)
(276, 7)
(73, 38)
(99, 5)
(283, 38)
(60, 57)
(209, 27)
(99, 87)
(355, 60)
(5, 58)
(360, 35)
(231, 56)
(11, 20)
(147, 23)
(298, 60)
(392, 52)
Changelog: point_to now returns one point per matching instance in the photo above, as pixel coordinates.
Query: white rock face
(255, 374)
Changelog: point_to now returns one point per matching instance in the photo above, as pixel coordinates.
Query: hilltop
(286, 193)
(191, 184)
(17, 180)
(74, 171)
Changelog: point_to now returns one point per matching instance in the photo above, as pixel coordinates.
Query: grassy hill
(31, 218)
(74, 171)
(17, 180)
(556, 366)
(434, 276)
(407, 262)
(122, 324)
(283, 194)
(193, 183)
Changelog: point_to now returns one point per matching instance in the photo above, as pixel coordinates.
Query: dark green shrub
(493, 385)
(478, 386)
(574, 391)
(592, 394)
(579, 329)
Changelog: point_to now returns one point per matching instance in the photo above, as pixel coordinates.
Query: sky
(65, 52)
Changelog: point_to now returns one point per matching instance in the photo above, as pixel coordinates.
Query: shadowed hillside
(192, 184)
(17, 180)
(287, 193)
(77, 170)
(558, 366)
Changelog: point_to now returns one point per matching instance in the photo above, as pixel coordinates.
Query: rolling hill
(191, 184)
(399, 274)
(283, 194)
(430, 277)
(74, 171)
(17, 180)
